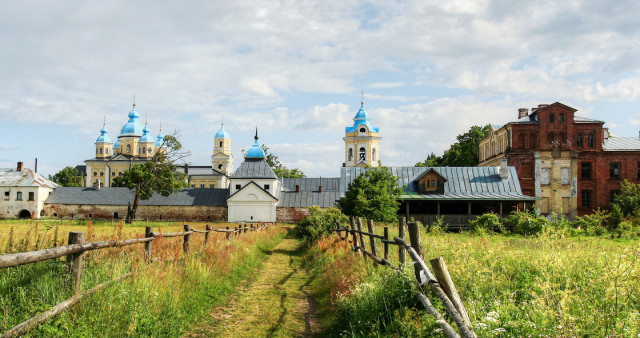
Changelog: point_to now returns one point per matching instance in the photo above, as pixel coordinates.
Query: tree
(67, 177)
(280, 169)
(463, 153)
(628, 200)
(157, 175)
(372, 195)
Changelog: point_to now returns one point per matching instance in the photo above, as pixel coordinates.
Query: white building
(23, 192)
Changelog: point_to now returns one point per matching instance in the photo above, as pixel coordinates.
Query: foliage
(280, 169)
(593, 224)
(437, 227)
(156, 175)
(527, 223)
(67, 177)
(488, 222)
(629, 198)
(463, 153)
(320, 222)
(372, 195)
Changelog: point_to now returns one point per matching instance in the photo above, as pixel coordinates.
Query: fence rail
(74, 253)
(441, 283)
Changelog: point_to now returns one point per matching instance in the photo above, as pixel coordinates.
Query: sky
(296, 70)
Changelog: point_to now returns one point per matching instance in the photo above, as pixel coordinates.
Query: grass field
(510, 285)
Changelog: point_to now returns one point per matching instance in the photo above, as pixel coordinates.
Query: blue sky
(429, 71)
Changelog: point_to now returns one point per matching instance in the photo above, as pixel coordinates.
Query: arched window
(362, 130)
(97, 151)
(350, 155)
(579, 141)
(590, 140)
(363, 154)
(560, 117)
(373, 154)
(552, 118)
(100, 151)
(128, 148)
(220, 166)
(144, 150)
(106, 151)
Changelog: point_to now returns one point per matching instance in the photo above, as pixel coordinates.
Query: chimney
(319, 188)
(523, 112)
(504, 169)
(540, 106)
(36, 166)
(297, 187)
(20, 166)
(605, 133)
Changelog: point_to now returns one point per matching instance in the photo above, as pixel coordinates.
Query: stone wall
(291, 215)
(155, 213)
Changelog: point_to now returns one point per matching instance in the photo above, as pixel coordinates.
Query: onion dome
(160, 139)
(222, 134)
(104, 137)
(133, 126)
(361, 118)
(145, 135)
(117, 144)
(256, 150)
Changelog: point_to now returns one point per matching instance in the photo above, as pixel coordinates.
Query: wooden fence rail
(74, 252)
(441, 284)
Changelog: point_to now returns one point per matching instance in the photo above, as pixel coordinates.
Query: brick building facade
(570, 163)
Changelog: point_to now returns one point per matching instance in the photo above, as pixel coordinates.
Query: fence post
(386, 245)
(148, 232)
(449, 288)
(206, 234)
(245, 228)
(228, 233)
(416, 244)
(353, 227)
(75, 261)
(401, 253)
(187, 238)
(362, 243)
(374, 245)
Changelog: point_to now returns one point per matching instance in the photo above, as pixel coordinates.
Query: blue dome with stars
(104, 136)
(133, 127)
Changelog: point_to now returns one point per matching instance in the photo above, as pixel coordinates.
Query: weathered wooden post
(353, 227)
(187, 238)
(374, 244)
(416, 244)
(206, 234)
(75, 261)
(386, 245)
(361, 236)
(228, 233)
(246, 228)
(446, 283)
(401, 253)
(148, 233)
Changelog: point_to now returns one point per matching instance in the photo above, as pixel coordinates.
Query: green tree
(320, 222)
(280, 169)
(157, 175)
(463, 153)
(67, 177)
(628, 200)
(372, 195)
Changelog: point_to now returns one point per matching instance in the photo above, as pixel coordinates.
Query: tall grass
(510, 285)
(164, 298)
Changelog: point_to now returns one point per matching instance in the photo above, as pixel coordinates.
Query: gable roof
(463, 183)
(259, 188)
(122, 196)
(10, 177)
(432, 169)
(254, 168)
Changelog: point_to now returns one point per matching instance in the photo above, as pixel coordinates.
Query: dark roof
(304, 199)
(254, 168)
(463, 183)
(200, 170)
(82, 170)
(122, 196)
(257, 185)
(311, 184)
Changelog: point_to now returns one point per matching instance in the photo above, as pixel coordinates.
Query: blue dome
(361, 118)
(117, 145)
(222, 133)
(133, 127)
(104, 137)
(145, 135)
(159, 140)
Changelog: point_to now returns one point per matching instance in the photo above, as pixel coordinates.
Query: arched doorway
(24, 214)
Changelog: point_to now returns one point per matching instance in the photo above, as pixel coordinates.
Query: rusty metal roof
(122, 196)
(10, 177)
(621, 144)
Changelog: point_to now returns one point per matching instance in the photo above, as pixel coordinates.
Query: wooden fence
(441, 284)
(74, 253)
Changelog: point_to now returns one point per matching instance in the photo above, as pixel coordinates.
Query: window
(586, 199)
(120, 174)
(373, 154)
(638, 170)
(590, 141)
(220, 166)
(266, 187)
(552, 118)
(564, 175)
(128, 148)
(193, 185)
(545, 176)
(212, 185)
(106, 151)
(101, 151)
(238, 187)
(350, 157)
(585, 170)
(113, 173)
(363, 154)
(115, 215)
(101, 173)
(97, 151)
(362, 130)
(19, 196)
(6, 195)
(95, 173)
(31, 196)
(579, 142)
(614, 170)
(201, 185)
(613, 194)
(144, 150)
(560, 117)
(220, 144)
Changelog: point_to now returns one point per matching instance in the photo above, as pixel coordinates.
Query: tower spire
(222, 120)
(104, 120)
(134, 101)
(256, 137)
(362, 101)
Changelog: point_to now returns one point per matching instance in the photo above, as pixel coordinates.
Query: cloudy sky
(429, 71)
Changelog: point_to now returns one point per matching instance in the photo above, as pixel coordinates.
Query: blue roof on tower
(145, 135)
(255, 151)
(160, 139)
(222, 133)
(104, 137)
(361, 118)
(133, 126)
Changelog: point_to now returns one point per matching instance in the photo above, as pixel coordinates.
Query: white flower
(481, 326)
(499, 330)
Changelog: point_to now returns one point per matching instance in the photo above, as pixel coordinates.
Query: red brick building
(570, 163)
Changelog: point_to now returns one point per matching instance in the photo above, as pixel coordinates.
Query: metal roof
(621, 144)
(462, 183)
(254, 168)
(10, 177)
(311, 184)
(200, 171)
(122, 196)
(580, 119)
(305, 199)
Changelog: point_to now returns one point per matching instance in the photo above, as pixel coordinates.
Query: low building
(23, 192)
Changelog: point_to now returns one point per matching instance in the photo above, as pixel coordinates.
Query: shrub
(594, 224)
(320, 222)
(488, 222)
(437, 227)
(527, 223)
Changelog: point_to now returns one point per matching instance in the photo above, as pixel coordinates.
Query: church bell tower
(362, 141)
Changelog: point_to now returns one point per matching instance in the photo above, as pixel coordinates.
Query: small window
(95, 173)
(128, 148)
(579, 141)
(193, 185)
(55, 214)
(201, 185)
(590, 141)
(212, 185)
(585, 170)
(552, 118)
(266, 187)
(560, 118)
(101, 173)
(106, 151)
(90, 215)
(362, 130)
(101, 151)
(7, 193)
(220, 166)
(220, 144)
(238, 187)
(363, 154)
(31, 196)
(120, 174)
(585, 199)
(113, 173)
(19, 196)
(350, 157)
(614, 170)
(101, 184)
(144, 150)
(116, 215)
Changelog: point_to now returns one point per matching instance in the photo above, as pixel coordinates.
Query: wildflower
(481, 326)
(499, 330)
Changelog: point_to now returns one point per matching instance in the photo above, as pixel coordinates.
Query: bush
(320, 222)
(527, 223)
(594, 224)
(489, 222)
(437, 227)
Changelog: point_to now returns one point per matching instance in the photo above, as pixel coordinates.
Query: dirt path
(277, 304)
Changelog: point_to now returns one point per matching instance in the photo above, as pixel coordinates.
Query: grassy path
(276, 304)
